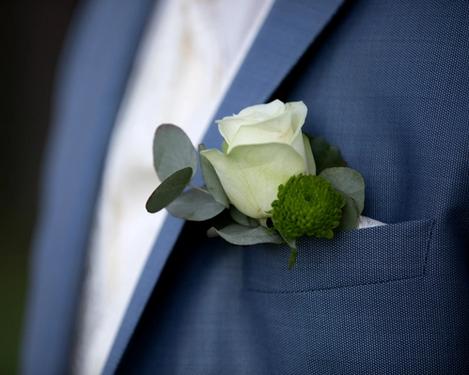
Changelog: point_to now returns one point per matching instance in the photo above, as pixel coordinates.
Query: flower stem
(292, 258)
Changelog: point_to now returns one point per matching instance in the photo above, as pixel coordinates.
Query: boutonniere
(269, 182)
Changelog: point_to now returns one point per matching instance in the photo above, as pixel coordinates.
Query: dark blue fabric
(388, 82)
(267, 64)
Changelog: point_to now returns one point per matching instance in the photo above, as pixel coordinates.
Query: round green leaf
(172, 151)
(348, 181)
(242, 219)
(240, 235)
(350, 214)
(169, 190)
(212, 181)
(195, 205)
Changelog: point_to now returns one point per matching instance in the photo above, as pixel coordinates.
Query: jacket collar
(290, 28)
(94, 70)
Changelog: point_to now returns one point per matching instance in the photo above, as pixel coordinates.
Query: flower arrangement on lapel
(273, 182)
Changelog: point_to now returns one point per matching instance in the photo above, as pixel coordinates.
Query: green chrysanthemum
(307, 205)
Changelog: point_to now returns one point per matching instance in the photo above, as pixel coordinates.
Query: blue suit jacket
(388, 82)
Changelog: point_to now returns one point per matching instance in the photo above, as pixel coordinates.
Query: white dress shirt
(189, 56)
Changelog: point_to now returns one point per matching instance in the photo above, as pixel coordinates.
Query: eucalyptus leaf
(325, 155)
(241, 235)
(348, 181)
(169, 190)
(350, 214)
(195, 205)
(172, 151)
(242, 219)
(212, 181)
(212, 232)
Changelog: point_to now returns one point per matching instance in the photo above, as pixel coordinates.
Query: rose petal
(264, 111)
(229, 126)
(284, 127)
(272, 130)
(250, 175)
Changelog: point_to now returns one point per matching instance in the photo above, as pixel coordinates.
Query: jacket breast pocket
(357, 257)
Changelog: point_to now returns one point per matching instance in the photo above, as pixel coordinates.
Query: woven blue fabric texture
(385, 81)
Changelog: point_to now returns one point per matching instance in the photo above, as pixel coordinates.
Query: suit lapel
(291, 27)
(92, 81)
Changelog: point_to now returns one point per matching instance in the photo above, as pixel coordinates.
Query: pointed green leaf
(348, 181)
(212, 181)
(240, 235)
(325, 155)
(172, 151)
(195, 205)
(169, 190)
(242, 219)
(310, 162)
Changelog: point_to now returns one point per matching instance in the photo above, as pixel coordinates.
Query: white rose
(264, 148)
